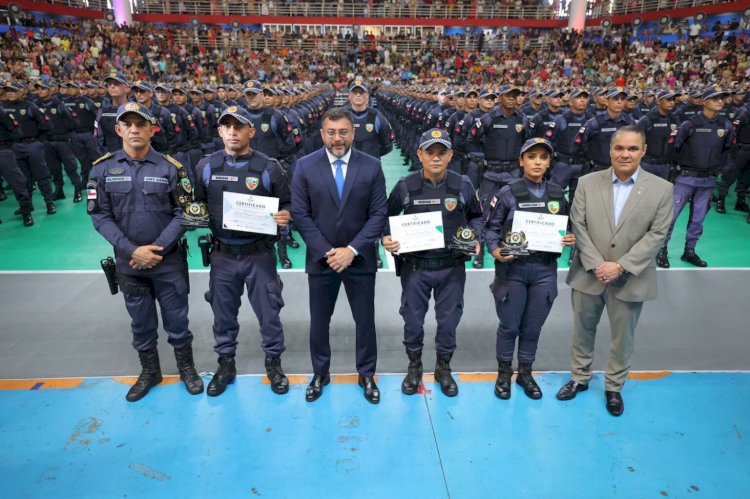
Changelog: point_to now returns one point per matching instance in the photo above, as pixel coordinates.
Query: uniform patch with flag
(519, 128)
(252, 182)
(265, 127)
(90, 193)
(553, 206)
(721, 132)
(369, 127)
(450, 203)
(186, 185)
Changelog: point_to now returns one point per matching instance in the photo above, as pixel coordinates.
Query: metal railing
(619, 7)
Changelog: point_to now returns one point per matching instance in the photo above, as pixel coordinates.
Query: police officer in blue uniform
(135, 199)
(738, 164)
(31, 125)
(592, 142)
(165, 139)
(82, 140)
(243, 259)
(9, 168)
(524, 287)
(210, 116)
(544, 122)
(658, 125)
(197, 127)
(58, 151)
(118, 89)
(501, 133)
(439, 271)
(699, 146)
(567, 168)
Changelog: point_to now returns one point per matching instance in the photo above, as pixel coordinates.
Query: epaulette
(176, 163)
(108, 155)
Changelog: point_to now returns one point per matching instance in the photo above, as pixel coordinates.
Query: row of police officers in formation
(699, 139)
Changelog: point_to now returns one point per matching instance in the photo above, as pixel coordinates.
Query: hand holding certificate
(418, 232)
(544, 232)
(248, 213)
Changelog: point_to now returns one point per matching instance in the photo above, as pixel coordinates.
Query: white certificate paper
(418, 232)
(544, 232)
(248, 213)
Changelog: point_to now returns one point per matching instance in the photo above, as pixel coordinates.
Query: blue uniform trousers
(736, 168)
(658, 170)
(171, 292)
(59, 154)
(30, 158)
(360, 291)
(523, 300)
(256, 272)
(16, 180)
(416, 288)
(700, 202)
(566, 176)
(86, 150)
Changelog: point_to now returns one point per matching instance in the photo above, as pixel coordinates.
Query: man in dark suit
(339, 208)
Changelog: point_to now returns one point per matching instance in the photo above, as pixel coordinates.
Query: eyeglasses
(344, 133)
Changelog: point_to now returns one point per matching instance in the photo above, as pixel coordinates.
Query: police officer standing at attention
(9, 167)
(592, 142)
(525, 286)
(82, 140)
(165, 139)
(567, 125)
(658, 124)
(501, 133)
(438, 271)
(132, 200)
(195, 122)
(57, 148)
(118, 89)
(243, 259)
(699, 147)
(738, 164)
(180, 123)
(31, 125)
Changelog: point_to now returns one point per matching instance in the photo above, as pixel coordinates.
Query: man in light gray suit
(620, 218)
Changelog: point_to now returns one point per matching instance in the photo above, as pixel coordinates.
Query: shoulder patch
(176, 163)
(108, 155)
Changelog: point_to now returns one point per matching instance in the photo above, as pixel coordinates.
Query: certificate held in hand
(543, 232)
(418, 231)
(248, 213)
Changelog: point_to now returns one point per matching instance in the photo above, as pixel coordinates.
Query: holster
(110, 272)
(398, 263)
(206, 244)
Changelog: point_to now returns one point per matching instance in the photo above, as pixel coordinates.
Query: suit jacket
(634, 242)
(325, 222)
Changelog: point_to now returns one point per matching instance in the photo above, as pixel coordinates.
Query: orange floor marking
(649, 375)
(28, 384)
(129, 380)
(294, 379)
(347, 379)
(477, 377)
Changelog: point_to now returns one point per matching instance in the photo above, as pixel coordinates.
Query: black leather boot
(279, 381)
(504, 375)
(692, 258)
(443, 375)
(186, 367)
(77, 197)
(58, 194)
(741, 204)
(662, 258)
(150, 375)
(286, 263)
(721, 205)
(224, 376)
(292, 241)
(527, 381)
(51, 210)
(478, 262)
(413, 377)
(28, 220)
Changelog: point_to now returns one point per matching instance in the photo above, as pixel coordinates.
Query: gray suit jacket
(634, 242)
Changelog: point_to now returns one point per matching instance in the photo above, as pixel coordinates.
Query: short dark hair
(631, 129)
(336, 114)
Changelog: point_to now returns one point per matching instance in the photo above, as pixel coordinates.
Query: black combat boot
(662, 259)
(58, 194)
(28, 220)
(292, 241)
(223, 377)
(479, 260)
(286, 263)
(51, 210)
(741, 204)
(443, 375)
(721, 205)
(691, 257)
(77, 197)
(186, 367)
(279, 381)
(413, 377)
(150, 375)
(504, 375)
(526, 380)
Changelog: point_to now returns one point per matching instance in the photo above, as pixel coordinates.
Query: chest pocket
(119, 190)
(157, 195)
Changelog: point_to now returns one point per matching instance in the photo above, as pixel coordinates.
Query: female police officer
(525, 285)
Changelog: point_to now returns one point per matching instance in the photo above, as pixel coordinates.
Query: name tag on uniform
(423, 202)
(109, 115)
(118, 179)
(703, 130)
(531, 205)
(608, 129)
(225, 178)
(499, 126)
(660, 125)
(575, 124)
(158, 180)
(355, 125)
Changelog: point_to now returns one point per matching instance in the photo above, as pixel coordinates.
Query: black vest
(445, 198)
(504, 137)
(366, 138)
(241, 181)
(265, 139)
(564, 139)
(553, 193)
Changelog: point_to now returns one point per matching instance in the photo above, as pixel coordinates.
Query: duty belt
(565, 158)
(686, 171)
(743, 146)
(58, 138)
(597, 167)
(28, 140)
(244, 249)
(432, 263)
(654, 161)
(500, 166)
(538, 257)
